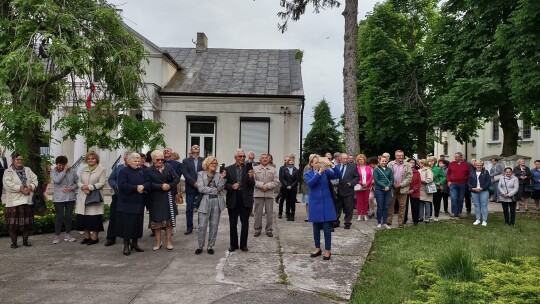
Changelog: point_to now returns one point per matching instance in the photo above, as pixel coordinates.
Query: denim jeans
(326, 227)
(425, 210)
(457, 194)
(383, 201)
(480, 200)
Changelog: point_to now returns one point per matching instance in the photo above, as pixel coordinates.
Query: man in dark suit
(191, 165)
(240, 185)
(3, 167)
(288, 177)
(345, 202)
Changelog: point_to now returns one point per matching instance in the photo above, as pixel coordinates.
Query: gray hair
(239, 150)
(156, 153)
(459, 153)
(132, 156)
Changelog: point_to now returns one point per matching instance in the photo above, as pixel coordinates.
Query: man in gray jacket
(496, 172)
(402, 180)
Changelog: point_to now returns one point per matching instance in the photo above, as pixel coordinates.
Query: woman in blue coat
(321, 210)
(133, 182)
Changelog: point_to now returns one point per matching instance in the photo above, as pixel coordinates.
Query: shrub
(457, 264)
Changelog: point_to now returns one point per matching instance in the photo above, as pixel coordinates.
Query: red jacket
(369, 176)
(415, 184)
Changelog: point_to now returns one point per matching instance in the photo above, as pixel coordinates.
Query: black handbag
(38, 203)
(93, 197)
(528, 188)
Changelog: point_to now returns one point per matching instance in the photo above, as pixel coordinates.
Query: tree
(485, 56)
(392, 89)
(295, 9)
(44, 44)
(323, 136)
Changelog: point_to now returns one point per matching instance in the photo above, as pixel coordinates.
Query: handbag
(93, 197)
(38, 203)
(431, 188)
(358, 187)
(528, 188)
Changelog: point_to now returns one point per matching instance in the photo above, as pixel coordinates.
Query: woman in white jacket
(20, 183)
(508, 187)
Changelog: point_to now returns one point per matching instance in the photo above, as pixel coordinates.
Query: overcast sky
(252, 24)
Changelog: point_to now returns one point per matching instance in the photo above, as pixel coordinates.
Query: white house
(220, 99)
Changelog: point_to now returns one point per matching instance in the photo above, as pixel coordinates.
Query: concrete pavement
(274, 270)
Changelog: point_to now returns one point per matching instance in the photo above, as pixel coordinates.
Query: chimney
(202, 42)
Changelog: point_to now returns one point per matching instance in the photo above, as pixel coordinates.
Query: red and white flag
(89, 97)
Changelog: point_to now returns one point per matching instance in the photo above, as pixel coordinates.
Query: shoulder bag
(93, 197)
(199, 196)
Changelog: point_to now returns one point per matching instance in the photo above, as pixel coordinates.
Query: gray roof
(236, 72)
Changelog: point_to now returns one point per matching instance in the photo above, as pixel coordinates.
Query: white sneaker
(484, 223)
(436, 219)
(359, 218)
(365, 218)
(386, 226)
(379, 226)
(69, 238)
(476, 222)
(56, 239)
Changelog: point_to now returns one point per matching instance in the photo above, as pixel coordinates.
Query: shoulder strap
(383, 173)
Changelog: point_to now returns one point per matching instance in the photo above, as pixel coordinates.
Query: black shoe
(292, 218)
(244, 249)
(326, 258)
(288, 219)
(110, 242)
(198, 251)
(332, 229)
(126, 251)
(92, 242)
(231, 248)
(279, 216)
(316, 254)
(26, 243)
(210, 251)
(136, 248)
(14, 245)
(347, 227)
(85, 241)
(188, 231)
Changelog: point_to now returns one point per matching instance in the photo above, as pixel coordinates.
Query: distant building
(220, 99)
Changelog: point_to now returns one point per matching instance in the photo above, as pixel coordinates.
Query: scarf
(21, 174)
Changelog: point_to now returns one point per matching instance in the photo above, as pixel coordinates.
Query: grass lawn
(388, 277)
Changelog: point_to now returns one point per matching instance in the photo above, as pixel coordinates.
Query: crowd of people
(332, 186)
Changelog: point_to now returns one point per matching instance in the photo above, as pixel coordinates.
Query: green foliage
(483, 65)
(49, 50)
(296, 8)
(403, 264)
(44, 223)
(323, 136)
(392, 91)
(457, 264)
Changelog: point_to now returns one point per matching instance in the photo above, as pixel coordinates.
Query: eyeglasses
(213, 164)
(241, 156)
(19, 159)
(159, 159)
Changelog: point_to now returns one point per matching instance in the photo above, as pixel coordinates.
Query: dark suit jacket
(286, 179)
(248, 185)
(347, 182)
(3, 167)
(190, 173)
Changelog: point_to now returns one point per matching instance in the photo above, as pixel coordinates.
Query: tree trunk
(350, 13)
(510, 128)
(421, 143)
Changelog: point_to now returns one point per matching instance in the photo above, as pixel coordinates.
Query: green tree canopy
(46, 43)
(485, 66)
(392, 90)
(323, 136)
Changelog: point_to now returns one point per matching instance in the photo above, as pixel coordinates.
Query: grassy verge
(388, 276)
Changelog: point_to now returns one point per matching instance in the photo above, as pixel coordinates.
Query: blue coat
(129, 200)
(321, 206)
(485, 180)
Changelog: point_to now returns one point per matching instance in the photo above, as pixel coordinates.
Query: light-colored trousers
(267, 204)
(212, 218)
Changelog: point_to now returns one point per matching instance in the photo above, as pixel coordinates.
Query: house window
(526, 130)
(445, 147)
(255, 134)
(495, 130)
(202, 132)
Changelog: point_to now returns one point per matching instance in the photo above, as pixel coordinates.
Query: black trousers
(290, 205)
(437, 197)
(345, 204)
(445, 201)
(509, 209)
(282, 197)
(111, 229)
(415, 209)
(468, 200)
(243, 213)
